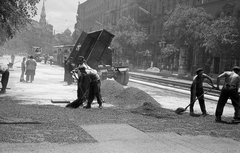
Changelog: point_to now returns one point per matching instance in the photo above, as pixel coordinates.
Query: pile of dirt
(130, 97)
(133, 97)
(151, 109)
(111, 88)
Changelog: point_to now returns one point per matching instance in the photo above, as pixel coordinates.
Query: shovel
(180, 110)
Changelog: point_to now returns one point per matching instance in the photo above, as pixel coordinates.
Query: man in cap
(94, 87)
(197, 91)
(229, 90)
(83, 83)
(82, 62)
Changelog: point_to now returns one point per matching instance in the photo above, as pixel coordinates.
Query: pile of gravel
(114, 93)
(111, 88)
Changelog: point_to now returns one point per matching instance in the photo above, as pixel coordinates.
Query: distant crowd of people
(28, 67)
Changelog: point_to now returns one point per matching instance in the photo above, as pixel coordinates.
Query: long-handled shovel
(180, 110)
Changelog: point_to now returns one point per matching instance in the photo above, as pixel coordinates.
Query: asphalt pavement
(110, 138)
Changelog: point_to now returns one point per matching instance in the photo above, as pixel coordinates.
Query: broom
(180, 110)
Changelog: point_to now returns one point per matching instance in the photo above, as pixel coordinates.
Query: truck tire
(103, 77)
(126, 77)
(119, 78)
(122, 78)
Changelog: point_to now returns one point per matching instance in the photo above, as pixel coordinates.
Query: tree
(193, 26)
(187, 24)
(129, 35)
(222, 37)
(15, 15)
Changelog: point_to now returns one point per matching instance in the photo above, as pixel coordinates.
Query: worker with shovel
(229, 90)
(83, 83)
(197, 91)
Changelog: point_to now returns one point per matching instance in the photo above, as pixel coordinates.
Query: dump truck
(98, 55)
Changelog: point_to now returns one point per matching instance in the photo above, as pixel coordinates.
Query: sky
(59, 13)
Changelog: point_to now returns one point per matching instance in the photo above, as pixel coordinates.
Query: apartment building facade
(94, 14)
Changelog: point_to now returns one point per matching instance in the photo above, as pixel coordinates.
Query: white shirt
(2, 69)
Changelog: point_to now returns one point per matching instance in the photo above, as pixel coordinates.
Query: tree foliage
(129, 35)
(14, 15)
(199, 29)
(222, 34)
(187, 24)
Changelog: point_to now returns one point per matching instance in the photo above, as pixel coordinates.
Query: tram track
(181, 85)
(173, 84)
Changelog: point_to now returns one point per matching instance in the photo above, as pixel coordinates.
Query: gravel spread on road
(47, 123)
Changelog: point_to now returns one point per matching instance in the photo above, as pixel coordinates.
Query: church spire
(43, 15)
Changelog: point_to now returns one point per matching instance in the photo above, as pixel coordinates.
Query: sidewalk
(123, 138)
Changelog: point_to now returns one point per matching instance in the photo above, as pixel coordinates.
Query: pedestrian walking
(45, 58)
(197, 91)
(5, 78)
(70, 67)
(51, 60)
(65, 69)
(23, 69)
(229, 90)
(31, 65)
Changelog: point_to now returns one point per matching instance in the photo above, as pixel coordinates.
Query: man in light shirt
(4, 80)
(94, 86)
(229, 90)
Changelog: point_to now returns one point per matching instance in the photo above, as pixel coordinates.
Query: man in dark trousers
(5, 77)
(197, 91)
(83, 83)
(229, 90)
(65, 69)
(94, 86)
(70, 67)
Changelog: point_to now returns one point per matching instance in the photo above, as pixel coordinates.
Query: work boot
(87, 107)
(2, 91)
(100, 106)
(204, 114)
(193, 114)
(218, 119)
